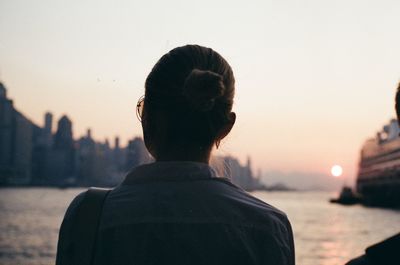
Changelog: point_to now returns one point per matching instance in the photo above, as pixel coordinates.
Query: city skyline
(35, 155)
(314, 80)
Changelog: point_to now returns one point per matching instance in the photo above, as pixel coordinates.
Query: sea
(325, 233)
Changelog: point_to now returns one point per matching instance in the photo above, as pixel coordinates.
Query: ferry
(378, 179)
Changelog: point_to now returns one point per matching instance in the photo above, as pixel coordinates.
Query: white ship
(378, 179)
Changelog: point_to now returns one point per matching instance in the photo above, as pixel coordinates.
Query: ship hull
(383, 191)
(378, 180)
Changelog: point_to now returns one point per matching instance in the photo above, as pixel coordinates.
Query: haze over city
(314, 79)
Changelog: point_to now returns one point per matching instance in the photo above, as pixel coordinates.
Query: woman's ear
(224, 131)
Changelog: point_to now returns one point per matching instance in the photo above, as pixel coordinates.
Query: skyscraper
(62, 158)
(63, 139)
(48, 124)
(15, 143)
(6, 130)
(136, 153)
(3, 91)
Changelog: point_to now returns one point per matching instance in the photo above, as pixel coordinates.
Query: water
(330, 234)
(325, 234)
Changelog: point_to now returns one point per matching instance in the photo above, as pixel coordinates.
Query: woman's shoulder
(250, 199)
(243, 206)
(92, 198)
(78, 224)
(65, 233)
(74, 205)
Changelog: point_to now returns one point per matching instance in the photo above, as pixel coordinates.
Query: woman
(176, 210)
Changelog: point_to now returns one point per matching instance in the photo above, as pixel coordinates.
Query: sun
(336, 171)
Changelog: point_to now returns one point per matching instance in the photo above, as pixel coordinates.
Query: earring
(217, 143)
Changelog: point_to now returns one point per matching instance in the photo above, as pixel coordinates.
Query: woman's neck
(199, 155)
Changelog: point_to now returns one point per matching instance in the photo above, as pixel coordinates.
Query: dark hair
(189, 95)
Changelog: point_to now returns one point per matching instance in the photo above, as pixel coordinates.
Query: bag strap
(87, 225)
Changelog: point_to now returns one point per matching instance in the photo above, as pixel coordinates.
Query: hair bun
(202, 88)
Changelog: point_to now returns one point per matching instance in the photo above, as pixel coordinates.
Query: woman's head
(188, 102)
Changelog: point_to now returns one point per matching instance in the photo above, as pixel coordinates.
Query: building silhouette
(47, 130)
(16, 132)
(241, 175)
(86, 158)
(42, 151)
(61, 158)
(118, 156)
(136, 154)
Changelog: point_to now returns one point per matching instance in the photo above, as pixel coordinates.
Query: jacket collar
(170, 171)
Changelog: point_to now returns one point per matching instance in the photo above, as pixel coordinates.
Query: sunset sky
(314, 78)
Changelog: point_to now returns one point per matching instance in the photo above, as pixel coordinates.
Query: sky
(314, 79)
